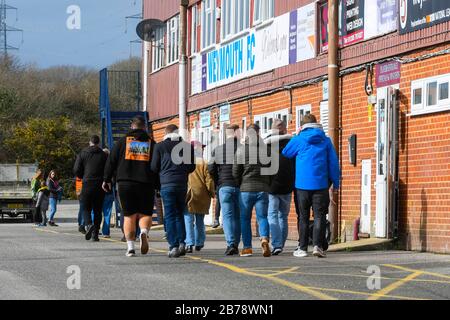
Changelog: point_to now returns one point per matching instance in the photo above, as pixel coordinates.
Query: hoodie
(173, 171)
(283, 181)
(90, 164)
(130, 159)
(316, 165)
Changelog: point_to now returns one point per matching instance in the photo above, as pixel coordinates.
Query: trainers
(230, 251)
(215, 225)
(182, 249)
(189, 249)
(248, 252)
(144, 243)
(89, 232)
(174, 253)
(265, 247)
(299, 253)
(277, 251)
(95, 237)
(82, 229)
(130, 253)
(106, 236)
(318, 252)
(52, 224)
(198, 248)
(123, 239)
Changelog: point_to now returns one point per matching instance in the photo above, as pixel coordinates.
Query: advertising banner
(419, 14)
(196, 75)
(306, 32)
(352, 19)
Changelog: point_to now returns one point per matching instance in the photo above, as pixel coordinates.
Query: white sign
(196, 75)
(205, 119)
(306, 32)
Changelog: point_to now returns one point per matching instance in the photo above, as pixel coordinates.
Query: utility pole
(182, 68)
(4, 28)
(333, 101)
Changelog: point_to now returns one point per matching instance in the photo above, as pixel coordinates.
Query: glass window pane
(432, 93)
(443, 91)
(417, 96)
(257, 9)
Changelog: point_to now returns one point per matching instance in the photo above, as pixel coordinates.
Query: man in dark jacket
(316, 166)
(174, 160)
(129, 165)
(221, 168)
(89, 167)
(281, 187)
(254, 186)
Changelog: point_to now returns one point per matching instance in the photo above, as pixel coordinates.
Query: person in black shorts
(129, 162)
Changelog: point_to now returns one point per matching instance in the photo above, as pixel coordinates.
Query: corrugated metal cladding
(385, 46)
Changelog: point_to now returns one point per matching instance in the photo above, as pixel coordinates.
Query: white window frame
(324, 115)
(266, 120)
(235, 18)
(423, 107)
(300, 112)
(158, 50)
(173, 37)
(195, 22)
(208, 24)
(263, 10)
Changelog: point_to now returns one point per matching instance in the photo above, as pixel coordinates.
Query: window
(263, 10)
(172, 39)
(430, 94)
(265, 121)
(208, 23)
(158, 50)
(195, 23)
(235, 17)
(301, 112)
(324, 116)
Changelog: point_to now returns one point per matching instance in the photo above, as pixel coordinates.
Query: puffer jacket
(248, 169)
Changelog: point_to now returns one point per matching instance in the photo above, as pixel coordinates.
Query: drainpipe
(333, 102)
(182, 64)
(145, 72)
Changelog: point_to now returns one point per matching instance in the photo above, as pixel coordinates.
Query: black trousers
(92, 196)
(319, 200)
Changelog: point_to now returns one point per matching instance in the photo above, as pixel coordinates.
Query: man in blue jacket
(316, 168)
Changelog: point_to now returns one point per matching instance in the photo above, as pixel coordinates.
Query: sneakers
(52, 224)
(182, 249)
(95, 237)
(89, 232)
(189, 249)
(174, 253)
(318, 252)
(144, 243)
(198, 248)
(82, 229)
(130, 253)
(123, 239)
(215, 225)
(299, 253)
(231, 250)
(248, 252)
(277, 251)
(265, 247)
(106, 236)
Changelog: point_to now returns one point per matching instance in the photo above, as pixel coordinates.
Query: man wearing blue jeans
(173, 160)
(254, 186)
(221, 168)
(281, 186)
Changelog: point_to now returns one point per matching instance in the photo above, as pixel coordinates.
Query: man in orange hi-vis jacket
(78, 186)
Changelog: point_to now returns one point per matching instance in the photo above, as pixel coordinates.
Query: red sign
(388, 74)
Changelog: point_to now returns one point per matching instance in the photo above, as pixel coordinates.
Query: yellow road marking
(290, 270)
(439, 275)
(362, 293)
(383, 292)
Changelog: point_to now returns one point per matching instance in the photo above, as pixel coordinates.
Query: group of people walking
(258, 174)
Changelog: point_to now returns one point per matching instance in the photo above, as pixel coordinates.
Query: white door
(381, 163)
(366, 188)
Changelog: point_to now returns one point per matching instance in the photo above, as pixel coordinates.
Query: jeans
(107, 210)
(195, 229)
(81, 214)
(52, 203)
(174, 202)
(217, 208)
(229, 202)
(319, 200)
(279, 207)
(260, 201)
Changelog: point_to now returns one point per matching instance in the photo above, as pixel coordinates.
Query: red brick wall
(424, 153)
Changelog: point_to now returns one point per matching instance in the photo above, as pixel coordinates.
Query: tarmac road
(34, 265)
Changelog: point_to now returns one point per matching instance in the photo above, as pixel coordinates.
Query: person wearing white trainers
(316, 167)
(299, 253)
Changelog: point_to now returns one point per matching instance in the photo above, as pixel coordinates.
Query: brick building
(257, 60)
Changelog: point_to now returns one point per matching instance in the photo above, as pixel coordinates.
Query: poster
(306, 32)
(352, 18)
(196, 75)
(415, 15)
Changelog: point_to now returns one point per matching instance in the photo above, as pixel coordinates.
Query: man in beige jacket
(199, 194)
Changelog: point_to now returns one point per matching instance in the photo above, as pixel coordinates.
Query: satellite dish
(146, 28)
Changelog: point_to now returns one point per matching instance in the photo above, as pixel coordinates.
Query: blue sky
(100, 41)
